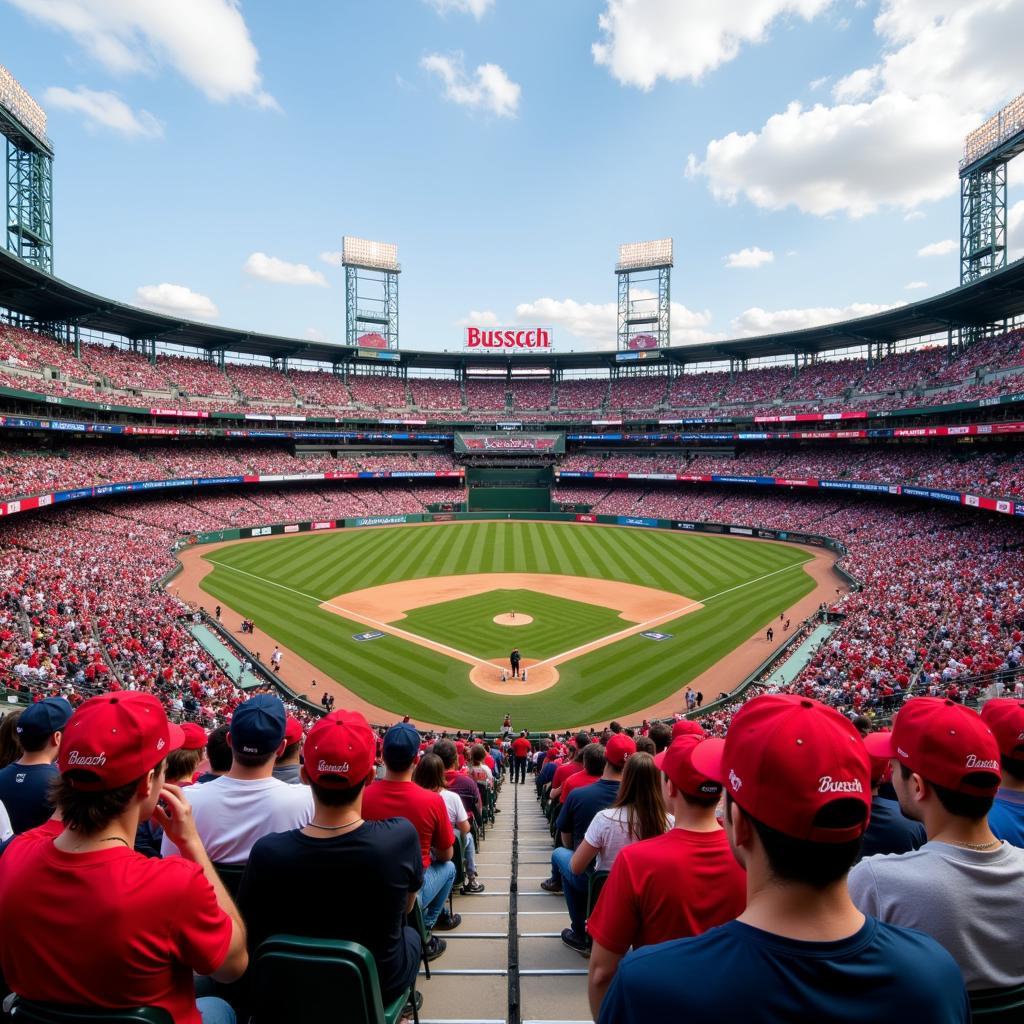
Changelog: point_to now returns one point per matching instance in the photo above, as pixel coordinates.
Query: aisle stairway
(488, 976)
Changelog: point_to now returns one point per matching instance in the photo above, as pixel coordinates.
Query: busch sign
(530, 339)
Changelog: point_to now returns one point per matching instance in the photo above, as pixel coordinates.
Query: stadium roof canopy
(28, 291)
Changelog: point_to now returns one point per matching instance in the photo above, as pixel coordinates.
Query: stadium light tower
(371, 292)
(29, 182)
(644, 270)
(987, 151)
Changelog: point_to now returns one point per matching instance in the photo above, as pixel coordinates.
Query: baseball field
(421, 620)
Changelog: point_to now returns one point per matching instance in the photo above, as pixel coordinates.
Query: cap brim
(175, 737)
(659, 760)
(880, 744)
(706, 758)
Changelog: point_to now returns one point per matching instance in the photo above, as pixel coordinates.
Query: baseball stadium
(336, 580)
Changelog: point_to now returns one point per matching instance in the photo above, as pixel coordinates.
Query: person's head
(40, 727)
(947, 761)
(1005, 717)
(477, 754)
(448, 753)
(645, 745)
(112, 762)
(661, 735)
(10, 748)
(429, 773)
(256, 733)
(338, 757)
(684, 783)
(292, 742)
(402, 746)
(616, 752)
(686, 727)
(218, 751)
(183, 762)
(797, 780)
(640, 794)
(593, 759)
(615, 727)
(881, 765)
(862, 724)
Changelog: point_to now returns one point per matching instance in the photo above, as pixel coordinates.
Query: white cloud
(1015, 231)
(817, 83)
(596, 322)
(106, 110)
(947, 245)
(479, 318)
(206, 41)
(332, 256)
(489, 88)
(176, 300)
(749, 259)
(913, 286)
(755, 320)
(895, 131)
(314, 334)
(914, 215)
(645, 40)
(270, 268)
(478, 8)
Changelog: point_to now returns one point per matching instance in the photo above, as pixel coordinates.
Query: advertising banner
(509, 443)
(586, 517)
(484, 340)
(636, 521)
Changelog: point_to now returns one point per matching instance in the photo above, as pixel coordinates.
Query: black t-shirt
(583, 804)
(25, 792)
(353, 886)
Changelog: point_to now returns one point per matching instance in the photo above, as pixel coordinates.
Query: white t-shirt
(456, 808)
(231, 814)
(608, 832)
(5, 825)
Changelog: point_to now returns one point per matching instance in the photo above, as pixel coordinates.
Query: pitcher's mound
(488, 677)
(508, 619)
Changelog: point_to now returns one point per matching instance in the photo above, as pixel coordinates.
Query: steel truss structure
(28, 194)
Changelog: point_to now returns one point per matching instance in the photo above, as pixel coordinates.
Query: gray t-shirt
(969, 901)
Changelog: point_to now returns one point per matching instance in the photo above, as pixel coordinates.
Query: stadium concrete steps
(483, 978)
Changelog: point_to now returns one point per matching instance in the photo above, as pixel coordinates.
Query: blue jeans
(215, 1011)
(470, 853)
(437, 884)
(574, 887)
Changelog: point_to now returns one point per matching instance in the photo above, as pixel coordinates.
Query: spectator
(569, 767)
(459, 782)
(232, 812)
(1005, 717)
(129, 931)
(365, 873)
(521, 748)
(661, 735)
(889, 830)
(10, 748)
(593, 769)
(797, 783)
(429, 774)
(478, 770)
(397, 796)
(578, 811)
(548, 769)
(964, 887)
(218, 755)
(286, 767)
(643, 902)
(25, 785)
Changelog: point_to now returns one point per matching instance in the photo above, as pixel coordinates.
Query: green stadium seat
(459, 859)
(998, 1005)
(594, 886)
(231, 876)
(329, 979)
(419, 925)
(30, 1012)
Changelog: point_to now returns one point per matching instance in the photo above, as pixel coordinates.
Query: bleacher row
(115, 375)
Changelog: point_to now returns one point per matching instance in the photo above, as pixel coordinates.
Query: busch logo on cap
(735, 781)
(973, 761)
(333, 769)
(77, 760)
(826, 784)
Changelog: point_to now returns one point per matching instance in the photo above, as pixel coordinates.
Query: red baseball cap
(194, 736)
(878, 745)
(676, 761)
(1005, 717)
(618, 748)
(786, 757)
(116, 738)
(687, 727)
(292, 730)
(943, 742)
(339, 750)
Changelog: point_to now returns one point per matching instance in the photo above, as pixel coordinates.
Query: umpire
(514, 660)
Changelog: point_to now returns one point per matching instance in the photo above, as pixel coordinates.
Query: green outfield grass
(558, 623)
(280, 583)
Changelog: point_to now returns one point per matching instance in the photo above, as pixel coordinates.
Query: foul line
(554, 660)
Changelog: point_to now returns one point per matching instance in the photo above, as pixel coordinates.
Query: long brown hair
(429, 773)
(10, 747)
(640, 794)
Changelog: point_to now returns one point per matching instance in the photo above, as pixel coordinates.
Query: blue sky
(802, 153)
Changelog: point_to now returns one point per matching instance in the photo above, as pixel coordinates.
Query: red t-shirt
(521, 746)
(563, 771)
(669, 887)
(427, 812)
(110, 928)
(576, 781)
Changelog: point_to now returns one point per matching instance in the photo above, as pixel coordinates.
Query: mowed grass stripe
(406, 678)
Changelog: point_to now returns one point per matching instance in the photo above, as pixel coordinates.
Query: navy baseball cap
(258, 726)
(44, 718)
(401, 745)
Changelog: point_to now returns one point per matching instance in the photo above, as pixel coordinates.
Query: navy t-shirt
(25, 792)
(583, 804)
(890, 831)
(353, 886)
(736, 974)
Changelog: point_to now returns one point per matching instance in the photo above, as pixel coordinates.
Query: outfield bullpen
(426, 590)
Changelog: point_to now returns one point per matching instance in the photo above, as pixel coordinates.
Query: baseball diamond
(435, 591)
